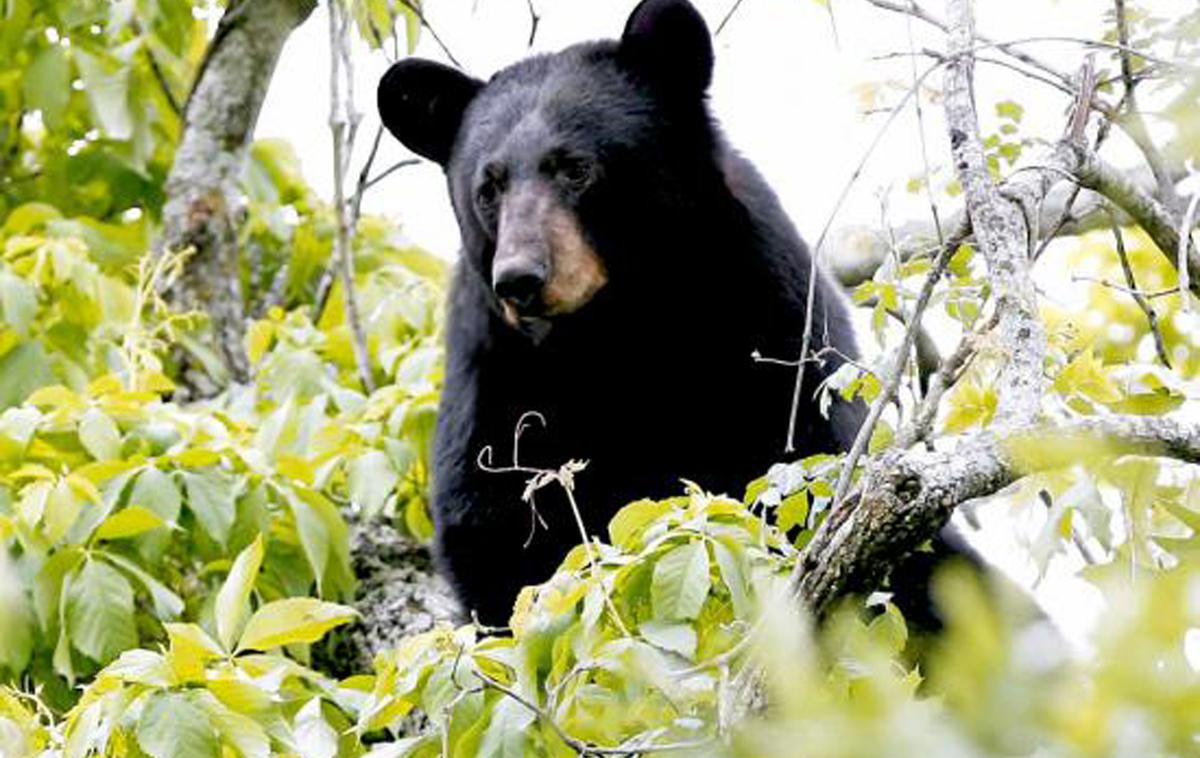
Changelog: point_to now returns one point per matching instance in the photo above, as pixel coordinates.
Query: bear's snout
(519, 283)
(543, 265)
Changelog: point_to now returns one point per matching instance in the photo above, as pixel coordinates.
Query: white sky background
(787, 91)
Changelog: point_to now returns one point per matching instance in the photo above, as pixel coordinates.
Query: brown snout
(543, 266)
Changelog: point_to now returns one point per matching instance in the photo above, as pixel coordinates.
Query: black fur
(652, 381)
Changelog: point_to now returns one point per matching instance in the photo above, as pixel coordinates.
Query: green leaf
(627, 525)
(19, 300)
(1010, 109)
(678, 637)
(47, 84)
(212, 498)
(17, 622)
(314, 735)
(237, 729)
(128, 522)
(730, 565)
(680, 583)
(48, 585)
(167, 605)
(157, 492)
(62, 508)
(1085, 375)
(99, 435)
(371, 479)
(106, 82)
(293, 620)
(172, 726)
(793, 511)
(970, 405)
(23, 369)
(232, 606)
(314, 538)
(507, 733)
(100, 612)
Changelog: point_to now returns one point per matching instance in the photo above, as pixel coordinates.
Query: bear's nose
(520, 284)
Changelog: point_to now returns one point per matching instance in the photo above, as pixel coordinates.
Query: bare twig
(728, 15)
(539, 478)
(1082, 107)
(343, 123)
(916, 11)
(1132, 120)
(580, 746)
(159, 75)
(810, 306)
(1149, 295)
(416, 10)
(1142, 302)
(534, 21)
(404, 163)
(896, 373)
(1185, 240)
(1150, 214)
(946, 377)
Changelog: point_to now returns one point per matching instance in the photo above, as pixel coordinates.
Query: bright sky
(788, 89)
(791, 84)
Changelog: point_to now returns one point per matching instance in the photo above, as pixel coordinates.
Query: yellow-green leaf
(293, 620)
(233, 600)
(128, 522)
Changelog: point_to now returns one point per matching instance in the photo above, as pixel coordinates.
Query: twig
(946, 377)
(1150, 214)
(1114, 47)
(405, 163)
(728, 15)
(159, 75)
(343, 123)
(933, 210)
(1185, 240)
(1132, 119)
(416, 10)
(580, 746)
(534, 21)
(896, 373)
(1151, 295)
(1142, 303)
(916, 11)
(539, 478)
(1077, 128)
(810, 306)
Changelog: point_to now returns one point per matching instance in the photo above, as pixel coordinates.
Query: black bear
(621, 264)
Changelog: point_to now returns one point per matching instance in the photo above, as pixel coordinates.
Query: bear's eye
(487, 194)
(573, 171)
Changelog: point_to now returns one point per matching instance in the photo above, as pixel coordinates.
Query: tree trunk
(204, 199)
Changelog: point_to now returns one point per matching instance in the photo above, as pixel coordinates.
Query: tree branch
(204, 197)
(343, 123)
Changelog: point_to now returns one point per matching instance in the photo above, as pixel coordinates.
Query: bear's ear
(668, 41)
(422, 104)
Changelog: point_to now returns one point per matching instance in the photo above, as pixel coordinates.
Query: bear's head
(562, 168)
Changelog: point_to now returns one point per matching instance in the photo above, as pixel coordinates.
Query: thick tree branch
(204, 198)
(912, 493)
(1001, 232)
(1144, 208)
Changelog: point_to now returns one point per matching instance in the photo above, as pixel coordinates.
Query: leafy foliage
(165, 566)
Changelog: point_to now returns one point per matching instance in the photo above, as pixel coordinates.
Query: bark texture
(204, 199)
